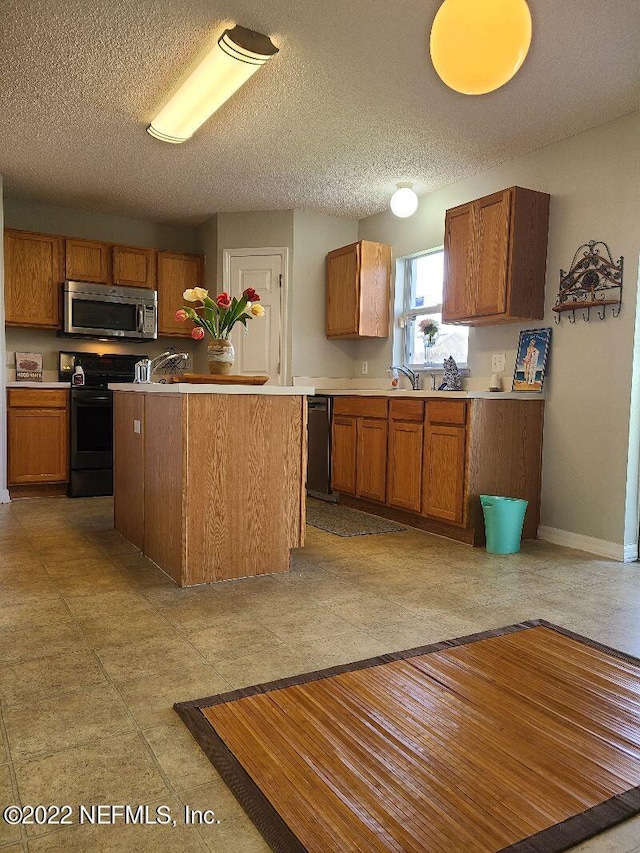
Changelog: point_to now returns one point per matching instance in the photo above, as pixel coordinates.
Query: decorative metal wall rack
(593, 281)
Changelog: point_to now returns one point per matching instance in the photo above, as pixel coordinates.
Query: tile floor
(96, 644)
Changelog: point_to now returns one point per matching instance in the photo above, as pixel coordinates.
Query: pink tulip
(198, 333)
(181, 315)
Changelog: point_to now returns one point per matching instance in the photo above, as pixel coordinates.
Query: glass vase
(428, 351)
(221, 356)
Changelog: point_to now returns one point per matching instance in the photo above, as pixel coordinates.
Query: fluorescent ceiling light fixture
(404, 201)
(238, 54)
(479, 45)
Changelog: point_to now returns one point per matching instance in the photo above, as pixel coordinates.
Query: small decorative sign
(531, 360)
(29, 366)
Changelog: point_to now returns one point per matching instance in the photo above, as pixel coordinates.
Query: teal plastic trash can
(503, 520)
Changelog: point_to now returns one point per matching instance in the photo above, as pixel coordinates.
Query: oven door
(91, 428)
(99, 311)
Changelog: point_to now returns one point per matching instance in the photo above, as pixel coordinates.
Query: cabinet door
(405, 465)
(457, 301)
(343, 454)
(134, 267)
(371, 466)
(444, 466)
(86, 260)
(32, 272)
(375, 284)
(176, 273)
(343, 292)
(491, 253)
(38, 443)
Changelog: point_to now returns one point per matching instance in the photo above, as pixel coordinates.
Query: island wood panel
(86, 260)
(128, 467)
(134, 267)
(506, 457)
(243, 449)
(33, 274)
(164, 499)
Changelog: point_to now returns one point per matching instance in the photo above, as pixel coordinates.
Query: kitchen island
(209, 479)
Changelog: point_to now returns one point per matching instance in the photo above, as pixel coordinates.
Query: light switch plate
(11, 358)
(136, 426)
(498, 362)
(365, 368)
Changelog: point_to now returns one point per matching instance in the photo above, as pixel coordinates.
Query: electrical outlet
(11, 358)
(498, 362)
(365, 368)
(136, 426)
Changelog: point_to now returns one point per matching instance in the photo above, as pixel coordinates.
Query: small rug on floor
(347, 522)
(524, 739)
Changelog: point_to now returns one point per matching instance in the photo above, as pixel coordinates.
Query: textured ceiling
(349, 106)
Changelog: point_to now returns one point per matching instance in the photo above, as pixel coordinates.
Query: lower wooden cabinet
(343, 454)
(429, 462)
(404, 488)
(443, 472)
(371, 465)
(38, 436)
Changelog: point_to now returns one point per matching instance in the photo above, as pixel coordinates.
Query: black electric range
(91, 433)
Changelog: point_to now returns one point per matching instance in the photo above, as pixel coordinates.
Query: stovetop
(99, 370)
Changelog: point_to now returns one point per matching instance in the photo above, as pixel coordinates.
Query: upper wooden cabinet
(33, 274)
(176, 273)
(358, 290)
(86, 260)
(495, 258)
(134, 267)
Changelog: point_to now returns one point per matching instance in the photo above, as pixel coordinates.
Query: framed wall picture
(29, 366)
(531, 360)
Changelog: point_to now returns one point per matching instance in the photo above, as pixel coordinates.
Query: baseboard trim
(600, 547)
(4, 496)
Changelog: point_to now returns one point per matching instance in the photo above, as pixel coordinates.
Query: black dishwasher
(319, 443)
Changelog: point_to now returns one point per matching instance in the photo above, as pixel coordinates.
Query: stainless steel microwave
(101, 311)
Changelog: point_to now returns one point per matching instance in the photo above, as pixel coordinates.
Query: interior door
(261, 350)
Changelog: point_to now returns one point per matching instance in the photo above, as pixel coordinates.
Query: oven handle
(92, 401)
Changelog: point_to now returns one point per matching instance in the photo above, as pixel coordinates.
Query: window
(422, 278)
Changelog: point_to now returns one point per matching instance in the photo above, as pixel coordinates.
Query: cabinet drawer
(36, 398)
(366, 407)
(447, 412)
(406, 410)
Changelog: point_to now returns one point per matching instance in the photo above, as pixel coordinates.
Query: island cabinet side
(128, 466)
(244, 484)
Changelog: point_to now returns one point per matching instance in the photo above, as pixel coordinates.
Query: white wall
(590, 477)
(312, 353)
(26, 215)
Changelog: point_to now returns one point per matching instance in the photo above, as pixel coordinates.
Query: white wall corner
(579, 542)
(4, 496)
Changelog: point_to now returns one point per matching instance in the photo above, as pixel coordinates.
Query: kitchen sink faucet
(414, 378)
(145, 368)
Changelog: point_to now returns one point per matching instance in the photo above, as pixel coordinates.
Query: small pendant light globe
(479, 45)
(404, 201)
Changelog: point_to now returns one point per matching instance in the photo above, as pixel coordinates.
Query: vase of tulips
(217, 317)
(429, 329)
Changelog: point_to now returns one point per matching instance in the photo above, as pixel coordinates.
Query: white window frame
(408, 314)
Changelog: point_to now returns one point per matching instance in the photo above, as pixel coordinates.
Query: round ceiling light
(404, 201)
(479, 45)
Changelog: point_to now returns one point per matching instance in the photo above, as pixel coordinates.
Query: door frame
(283, 251)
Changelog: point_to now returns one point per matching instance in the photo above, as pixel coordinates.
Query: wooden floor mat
(522, 739)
